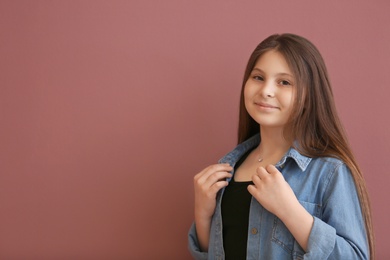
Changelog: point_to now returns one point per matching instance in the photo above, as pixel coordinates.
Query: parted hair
(314, 123)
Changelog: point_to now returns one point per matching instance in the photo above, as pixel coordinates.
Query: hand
(206, 184)
(272, 191)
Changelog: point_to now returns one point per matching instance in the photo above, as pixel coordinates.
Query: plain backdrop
(109, 108)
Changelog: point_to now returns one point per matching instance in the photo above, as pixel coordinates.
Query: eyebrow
(278, 74)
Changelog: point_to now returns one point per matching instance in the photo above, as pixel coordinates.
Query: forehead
(273, 62)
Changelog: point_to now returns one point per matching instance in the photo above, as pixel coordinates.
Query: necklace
(260, 159)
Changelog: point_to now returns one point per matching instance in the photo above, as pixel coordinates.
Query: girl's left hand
(272, 191)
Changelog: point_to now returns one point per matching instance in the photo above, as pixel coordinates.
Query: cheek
(288, 100)
(248, 91)
(248, 95)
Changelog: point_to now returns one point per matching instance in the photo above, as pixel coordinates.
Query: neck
(273, 143)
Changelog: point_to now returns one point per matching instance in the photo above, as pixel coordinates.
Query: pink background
(108, 109)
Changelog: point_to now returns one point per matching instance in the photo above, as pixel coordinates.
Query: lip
(265, 105)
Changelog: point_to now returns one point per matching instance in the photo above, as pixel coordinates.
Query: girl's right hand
(206, 185)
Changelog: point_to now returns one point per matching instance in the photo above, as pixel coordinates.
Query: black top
(235, 217)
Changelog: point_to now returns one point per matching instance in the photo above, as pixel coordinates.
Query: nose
(268, 89)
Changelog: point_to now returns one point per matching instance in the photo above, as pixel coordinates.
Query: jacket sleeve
(340, 232)
(193, 245)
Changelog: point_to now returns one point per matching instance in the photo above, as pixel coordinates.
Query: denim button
(254, 231)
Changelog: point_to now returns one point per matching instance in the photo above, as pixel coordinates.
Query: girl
(291, 189)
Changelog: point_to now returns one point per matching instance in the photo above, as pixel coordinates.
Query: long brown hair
(313, 122)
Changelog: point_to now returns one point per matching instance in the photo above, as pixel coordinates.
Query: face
(269, 91)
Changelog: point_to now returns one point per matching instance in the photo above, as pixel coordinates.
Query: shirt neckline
(233, 156)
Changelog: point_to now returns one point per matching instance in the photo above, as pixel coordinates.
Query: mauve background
(108, 109)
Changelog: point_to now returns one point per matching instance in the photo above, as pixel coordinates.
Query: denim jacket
(325, 188)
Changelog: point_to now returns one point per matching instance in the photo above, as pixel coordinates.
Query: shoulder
(323, 170)
(335, 175)
(330, 162)
(307, 164)
(330, 168)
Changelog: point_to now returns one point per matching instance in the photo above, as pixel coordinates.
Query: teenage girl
(291, 189)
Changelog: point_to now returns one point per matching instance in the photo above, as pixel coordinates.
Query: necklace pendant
(260, 159)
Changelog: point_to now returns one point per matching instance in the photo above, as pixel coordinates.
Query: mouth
(265, 105)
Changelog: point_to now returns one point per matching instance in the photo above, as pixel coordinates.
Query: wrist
(202, 218)
(296, 214)
(299, 222)
(291, 211)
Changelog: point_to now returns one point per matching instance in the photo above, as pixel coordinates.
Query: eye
(257, 77)
(285, 83)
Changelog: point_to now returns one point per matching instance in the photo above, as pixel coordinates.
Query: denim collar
(233, 156)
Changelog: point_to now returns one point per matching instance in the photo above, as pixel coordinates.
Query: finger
(262, 172)
(271, 169)
(256, 180)
(252, 189)
(218, 168)
(205, 173)
(217, 176)
(214, 184)
(218, 185)
(206, 183)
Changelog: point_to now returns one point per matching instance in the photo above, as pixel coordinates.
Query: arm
(273, 193)
(338, 233)
(206, 185)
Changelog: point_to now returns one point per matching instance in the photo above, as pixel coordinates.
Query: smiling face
(269, 91)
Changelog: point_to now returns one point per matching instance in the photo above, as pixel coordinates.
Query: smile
(265, 106)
